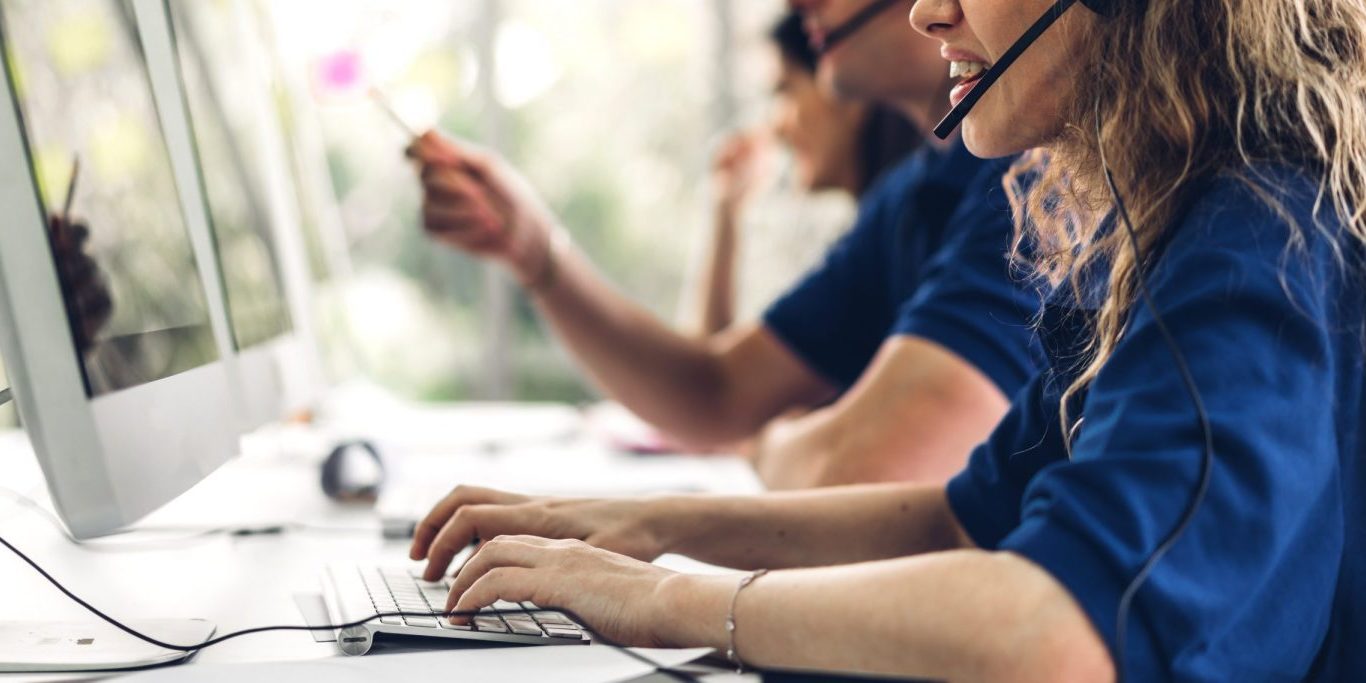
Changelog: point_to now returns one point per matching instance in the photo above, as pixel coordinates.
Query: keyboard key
(490, 624)
(552, 618)
(436, 598)
(564, 632)
(523, 627)
(391, 621)
(423, 622)
(446, 623)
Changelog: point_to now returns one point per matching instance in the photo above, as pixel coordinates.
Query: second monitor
(241, 173)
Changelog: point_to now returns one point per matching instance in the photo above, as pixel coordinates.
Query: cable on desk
(659, 668)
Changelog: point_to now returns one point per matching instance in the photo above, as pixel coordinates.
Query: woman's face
(821, 131)
(1025, 107)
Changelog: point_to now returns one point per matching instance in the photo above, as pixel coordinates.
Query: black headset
(856, 23)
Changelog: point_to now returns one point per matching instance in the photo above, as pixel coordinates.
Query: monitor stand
(52, 646)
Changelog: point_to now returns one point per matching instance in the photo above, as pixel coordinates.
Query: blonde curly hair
(1181, 92)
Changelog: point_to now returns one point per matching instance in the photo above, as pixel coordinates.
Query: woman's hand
(626, 601)
(736, 172)
(471, 514)
(475, 202)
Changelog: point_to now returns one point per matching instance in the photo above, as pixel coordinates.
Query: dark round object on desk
(353, 472)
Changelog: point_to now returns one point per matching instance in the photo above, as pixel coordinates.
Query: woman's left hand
(621, 599)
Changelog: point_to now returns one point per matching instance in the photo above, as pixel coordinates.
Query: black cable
(188, 649)
(1188, 378)
(856, 23)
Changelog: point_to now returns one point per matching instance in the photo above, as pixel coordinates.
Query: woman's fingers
(519, 552)
(441, 513)
(514, 584)
(481, 522)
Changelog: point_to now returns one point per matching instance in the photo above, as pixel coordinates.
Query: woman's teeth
(966, 69)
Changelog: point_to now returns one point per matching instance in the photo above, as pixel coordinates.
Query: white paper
(562, 664)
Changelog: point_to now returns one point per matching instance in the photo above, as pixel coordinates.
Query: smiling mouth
(969, 72)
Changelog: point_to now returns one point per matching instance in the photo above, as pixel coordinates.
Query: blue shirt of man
(928, 258)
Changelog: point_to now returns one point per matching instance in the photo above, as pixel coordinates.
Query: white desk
(240, 583)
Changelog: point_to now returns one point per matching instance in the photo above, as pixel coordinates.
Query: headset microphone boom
(956, 116)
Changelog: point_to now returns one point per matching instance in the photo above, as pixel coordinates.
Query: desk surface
(244, 582)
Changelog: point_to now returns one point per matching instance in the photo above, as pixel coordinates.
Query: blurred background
(612, 108)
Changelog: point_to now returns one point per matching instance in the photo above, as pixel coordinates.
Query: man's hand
(474, 202)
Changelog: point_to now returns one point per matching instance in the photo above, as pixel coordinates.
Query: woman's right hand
(470, 514)
(736, 172)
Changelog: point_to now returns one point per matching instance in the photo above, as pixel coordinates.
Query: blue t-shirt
(1269, 581)
(928, 257)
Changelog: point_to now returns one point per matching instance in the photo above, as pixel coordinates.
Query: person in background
(837, 145)
(904, 343)
(1180, 496)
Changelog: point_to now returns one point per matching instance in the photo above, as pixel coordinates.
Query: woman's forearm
(716, 286)
(810, 528)
(964, 615)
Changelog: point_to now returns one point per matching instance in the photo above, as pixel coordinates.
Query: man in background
(899, 351)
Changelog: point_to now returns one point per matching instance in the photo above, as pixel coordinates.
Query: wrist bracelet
(731, 652)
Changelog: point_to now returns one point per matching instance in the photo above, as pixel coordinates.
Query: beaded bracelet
(731, 653)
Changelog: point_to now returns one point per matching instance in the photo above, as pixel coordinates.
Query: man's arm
(915, 415)
(706, 393)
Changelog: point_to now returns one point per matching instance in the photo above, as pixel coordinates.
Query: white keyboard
(355, 593)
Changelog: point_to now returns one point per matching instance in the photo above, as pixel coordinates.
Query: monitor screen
(218, 92)
(133, 291)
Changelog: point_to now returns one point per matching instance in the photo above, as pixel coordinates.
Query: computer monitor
(243, 174)
(128, 402)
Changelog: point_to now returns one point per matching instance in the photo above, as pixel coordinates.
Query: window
(610, 107)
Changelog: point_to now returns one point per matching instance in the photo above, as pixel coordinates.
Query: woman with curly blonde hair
(1181, 495)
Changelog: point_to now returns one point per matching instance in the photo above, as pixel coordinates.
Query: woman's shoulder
(1260, 197)
(1264, 212)
(1268, 233)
